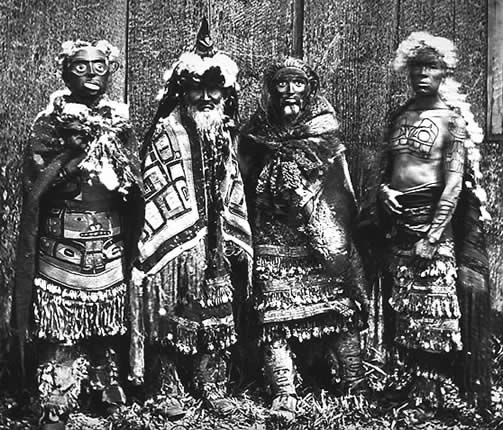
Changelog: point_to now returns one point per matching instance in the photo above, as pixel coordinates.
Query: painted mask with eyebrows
(87, 74)
(289, 93)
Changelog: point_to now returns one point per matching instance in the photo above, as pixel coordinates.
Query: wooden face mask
(87, 73)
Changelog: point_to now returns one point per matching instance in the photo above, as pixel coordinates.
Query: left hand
(72, 166)
(425, 249)
(77, 141)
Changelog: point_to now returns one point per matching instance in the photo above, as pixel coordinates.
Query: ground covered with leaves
(317, 410)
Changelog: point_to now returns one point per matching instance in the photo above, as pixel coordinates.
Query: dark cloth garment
(474, 371)
(72, 231)
(196, 247)
(307, 280)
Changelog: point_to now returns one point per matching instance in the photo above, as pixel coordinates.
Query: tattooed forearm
(455, 157)
(443, 215)
(453, 173)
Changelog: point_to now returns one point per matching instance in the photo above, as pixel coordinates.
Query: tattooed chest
(415, 137)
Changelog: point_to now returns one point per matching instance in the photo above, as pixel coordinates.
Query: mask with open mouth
(87, 73)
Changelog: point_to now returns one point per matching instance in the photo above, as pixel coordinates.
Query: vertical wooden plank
(377, 43)
(245, 29)
(434, 16)
(495, 68)
(298, 29)
(30, 37)
(330, 45)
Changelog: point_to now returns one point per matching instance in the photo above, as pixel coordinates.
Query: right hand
(389, 199)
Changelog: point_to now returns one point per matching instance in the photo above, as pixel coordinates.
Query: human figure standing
(195, 252)
(308, 283)
(80, 224)
(431, 205)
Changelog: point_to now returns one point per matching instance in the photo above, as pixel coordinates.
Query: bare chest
(420, 134)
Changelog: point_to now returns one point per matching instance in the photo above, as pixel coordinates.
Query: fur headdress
(71, 47)
(204, 65)
(419, 40)
(449, 89)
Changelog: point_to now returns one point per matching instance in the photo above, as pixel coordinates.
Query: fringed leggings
(344, 354)
(65, 372)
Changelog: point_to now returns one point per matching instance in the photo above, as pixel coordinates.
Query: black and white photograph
(251, 215)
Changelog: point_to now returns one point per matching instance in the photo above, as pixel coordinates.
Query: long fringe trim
(418, 335)
(290, 297)
(218, 291)
(161, 291)
(430, 305)
(190, 337)
(66, 314)
(309, 328)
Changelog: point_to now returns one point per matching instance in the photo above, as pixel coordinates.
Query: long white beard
(208, 123)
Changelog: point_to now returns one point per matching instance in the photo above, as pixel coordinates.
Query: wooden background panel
(252, 32)
(470, 37)
(378, 23)
(330, 39)
(495, 68)
(158, 32)
(350, 43)
(30, 38)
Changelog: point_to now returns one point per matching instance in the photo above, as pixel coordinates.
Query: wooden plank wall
(349, 41)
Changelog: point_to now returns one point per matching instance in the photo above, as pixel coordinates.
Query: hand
(424, 249)
(137, 276)
(388, 197)
(77, 141)
(72, 166)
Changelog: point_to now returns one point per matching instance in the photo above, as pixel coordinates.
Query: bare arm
(387, 195)
(453, 167)
(453, 173)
